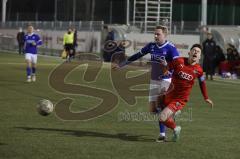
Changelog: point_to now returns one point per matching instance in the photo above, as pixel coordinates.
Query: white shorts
(158, 87)
(31, 57)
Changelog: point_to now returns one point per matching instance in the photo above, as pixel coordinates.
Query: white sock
(162, 134)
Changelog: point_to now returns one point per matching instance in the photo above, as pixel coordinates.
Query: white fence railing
(59, 25)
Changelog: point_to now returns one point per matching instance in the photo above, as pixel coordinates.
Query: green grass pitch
(24, 134)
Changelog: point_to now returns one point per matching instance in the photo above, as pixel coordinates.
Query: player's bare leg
(155, 109)
(166, 117)
(33, 72)
(160, 106)
(67, 55)
(29, 71)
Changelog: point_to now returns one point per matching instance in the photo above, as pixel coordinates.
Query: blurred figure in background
(118, 56)
(110, 35)
(68, 40)
(230, 68)
(75, 44)
(104, 34)
(220, 57)
(235, 63)
(108, 43)
(230, 56)
(209, 52)
(20, 39)
(236, 54)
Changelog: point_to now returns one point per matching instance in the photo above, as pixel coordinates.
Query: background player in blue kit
(159, 84)
(31, 42)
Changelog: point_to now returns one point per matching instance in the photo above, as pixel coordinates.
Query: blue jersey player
(31, 42)
(160, 50)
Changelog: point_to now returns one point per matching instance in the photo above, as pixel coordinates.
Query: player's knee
(28, 63)
(33, 64)
(165, 114)
(163, 117)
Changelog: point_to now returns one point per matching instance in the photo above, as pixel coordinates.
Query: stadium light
(110, 11)
(55, 10)
(204, 12)
(74, 11)
(127, 13)
(4, 3)
(92, 10)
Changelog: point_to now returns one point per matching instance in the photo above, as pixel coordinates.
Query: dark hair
(196, 45)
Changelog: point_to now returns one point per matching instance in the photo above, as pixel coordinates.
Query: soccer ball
(44, 107)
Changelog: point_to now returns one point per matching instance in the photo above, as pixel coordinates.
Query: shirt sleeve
(202, 84)
(176, 64)
(174, 53)
(64, 39)
(145, 50)
(38, 40)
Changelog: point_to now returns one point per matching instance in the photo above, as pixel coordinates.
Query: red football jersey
(183, 78)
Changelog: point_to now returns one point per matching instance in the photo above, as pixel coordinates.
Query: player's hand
(209, 102)
(34, 44)
(163, 61)
(115, 66)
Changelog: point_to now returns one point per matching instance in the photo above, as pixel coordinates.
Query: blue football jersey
(165, 51)
(30, 40)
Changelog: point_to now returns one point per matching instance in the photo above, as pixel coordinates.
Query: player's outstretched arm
(145, 50)
(203, 87)
(128, 61)
(210, 102)
(132, 58)
(39, 42)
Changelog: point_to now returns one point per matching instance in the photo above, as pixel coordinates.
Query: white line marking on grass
(19, 63)
(228, 81)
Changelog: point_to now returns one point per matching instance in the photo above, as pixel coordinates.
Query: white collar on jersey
(30, 34)
(164, 44)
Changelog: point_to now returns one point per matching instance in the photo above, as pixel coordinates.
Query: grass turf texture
(24, 134)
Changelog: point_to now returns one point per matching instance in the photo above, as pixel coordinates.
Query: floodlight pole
(127, 13)
(74, 10)
(204, 12)
(4, 3)
(93, 10)
(55, 10)
(110, 12)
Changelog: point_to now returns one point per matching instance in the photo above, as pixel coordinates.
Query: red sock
(170, 123)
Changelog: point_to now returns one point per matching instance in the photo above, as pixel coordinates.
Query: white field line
(227, 81)
(23, 63)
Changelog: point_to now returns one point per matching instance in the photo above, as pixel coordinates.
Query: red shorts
(174, 104)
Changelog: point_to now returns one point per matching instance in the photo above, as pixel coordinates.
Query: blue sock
(29, 71)
(162, 127)
(33, 70)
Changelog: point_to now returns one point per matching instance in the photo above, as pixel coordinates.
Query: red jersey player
(185, 71)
